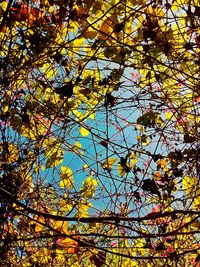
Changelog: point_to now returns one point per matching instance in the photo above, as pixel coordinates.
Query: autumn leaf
(69, 245)
(55, 159)
(9, 152)
(89, 187)
(66, 177)
(84, 132)
(123, 167)
(162, 163)
(82, 208)
(90, 34)
(107, 164)
(4, 5)
(148, 119)
(150, 186)
(65, 90)
(22, 12)
(190, 185)
(39, 224)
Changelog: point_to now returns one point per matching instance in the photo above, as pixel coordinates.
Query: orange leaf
(68, 244)
(22, 12)
(39, 225)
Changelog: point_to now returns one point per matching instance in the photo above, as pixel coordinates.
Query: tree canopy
(99, 125)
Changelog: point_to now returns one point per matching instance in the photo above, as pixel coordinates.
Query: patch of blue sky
(120, 135)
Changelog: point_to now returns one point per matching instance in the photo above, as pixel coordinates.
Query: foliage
(99, 122)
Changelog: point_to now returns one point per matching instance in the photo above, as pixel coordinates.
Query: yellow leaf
(66, 171)
(61, 226)
(51, 9)
(9, 151)
(161, 163)
(77, 146)
(4, 5)
(84, 132)
(92, 115)
(5, 108)
(69, 245)
(82, 209)
(9, 228)
(67, 177)
(60, 254)
(107, 164)
(50, 73)
(54, 160)
(169, 115)
(85, 167)
(123, 166)
(41, 255)
(90, 181)
(140, 243)
(78, 43)
(189, 184)
(39, 227)
(121, 170)
(196, 202)
(143, 138)
(67, 183)
(88, 188)
(133, 158)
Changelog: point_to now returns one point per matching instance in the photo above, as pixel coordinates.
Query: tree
(99, 130)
